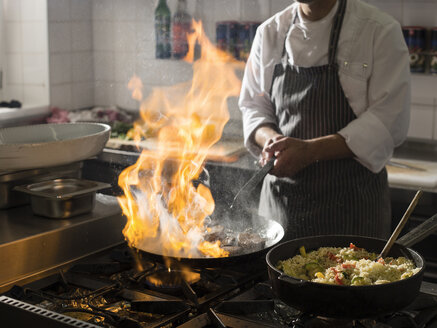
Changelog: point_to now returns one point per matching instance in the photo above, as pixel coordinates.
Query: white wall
(97, 45)
(71, 53)
(25, 52)
(423, 123)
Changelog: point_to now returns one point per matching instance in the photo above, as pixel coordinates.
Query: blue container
(415, 38)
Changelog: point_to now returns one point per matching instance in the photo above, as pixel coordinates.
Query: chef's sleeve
(254, 101)
(374, 134)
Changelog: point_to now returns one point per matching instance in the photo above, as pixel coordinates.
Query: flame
(165, 211)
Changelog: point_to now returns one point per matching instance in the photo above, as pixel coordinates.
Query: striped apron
(327, 197)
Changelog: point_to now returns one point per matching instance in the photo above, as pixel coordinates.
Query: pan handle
(290, 280)
(419, 233)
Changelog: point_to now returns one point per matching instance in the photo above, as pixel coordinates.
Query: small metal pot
(62, 198)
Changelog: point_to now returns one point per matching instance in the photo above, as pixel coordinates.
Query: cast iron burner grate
(258, 308)
(110, 291)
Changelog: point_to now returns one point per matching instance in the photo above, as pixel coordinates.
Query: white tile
(279, 5)
(33, 10)
(142, 60)
(423, 86)
(422, 122)
(171, 5)
(103, 10)
(125, 10)
(35, 94)
(234, 111)
(191, 7)
(124, 37)
(103, 36)
(393, 8)
(12, 10)
(14, 69)
(146, 92)
(82, 67)
(144, 38)
(210, 30)
(104, 94)
(164, 72)
(255, 10)
(33, 36)
(422, 14)
(104, 63)
(124, 67)
(82, 95)
(233, 128)
(60, 96)
(81, 36)
(33, 69)
(199, 9)
(81, 10)
(145, 50)
(59, 37)
(58, 10)
(60, 68)
(123, 97)
(144, 11)
(14, 42)
(14, 92)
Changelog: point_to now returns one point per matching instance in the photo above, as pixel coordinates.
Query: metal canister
(222, 35)
(244, 41)
(234, 28)
(415, 38)
(433, 59)
(227, 37)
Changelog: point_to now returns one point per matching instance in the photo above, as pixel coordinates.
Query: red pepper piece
(338, 280)
(348, 266)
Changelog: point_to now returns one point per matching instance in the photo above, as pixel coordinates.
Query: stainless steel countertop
(31, 245)
(20, 223)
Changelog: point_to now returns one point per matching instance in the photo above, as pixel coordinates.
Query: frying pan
(349, 302)
(275, 233)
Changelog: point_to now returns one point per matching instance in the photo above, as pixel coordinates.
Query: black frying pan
(349, 302)
(275, 231)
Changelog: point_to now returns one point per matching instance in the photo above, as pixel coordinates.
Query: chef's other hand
(292, 155)
(266, 153)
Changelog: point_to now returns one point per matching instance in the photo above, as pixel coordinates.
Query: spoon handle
(401, 224)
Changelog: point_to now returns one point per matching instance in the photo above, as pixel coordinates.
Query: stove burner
(170, 280)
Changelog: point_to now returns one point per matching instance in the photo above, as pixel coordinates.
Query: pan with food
(329, 285)
(241, 240)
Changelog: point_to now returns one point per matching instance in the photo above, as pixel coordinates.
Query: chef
(326, 91)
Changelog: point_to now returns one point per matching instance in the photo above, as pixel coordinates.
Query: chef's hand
(292, 155)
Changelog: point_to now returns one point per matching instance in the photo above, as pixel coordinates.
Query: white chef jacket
(374, 72)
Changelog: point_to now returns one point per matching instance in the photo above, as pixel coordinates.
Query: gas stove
(119, 288)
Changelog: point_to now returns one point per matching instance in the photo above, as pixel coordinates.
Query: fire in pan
(241, 241)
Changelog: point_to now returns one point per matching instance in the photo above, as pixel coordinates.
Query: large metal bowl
(45, 145)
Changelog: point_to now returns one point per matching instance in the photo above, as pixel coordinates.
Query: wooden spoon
(400, 225)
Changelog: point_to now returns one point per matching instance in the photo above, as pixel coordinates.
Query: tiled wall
(97, 45)
(25, 51)
(71, 46)
(423, 123)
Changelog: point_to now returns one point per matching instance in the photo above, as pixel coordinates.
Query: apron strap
(335, 32)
